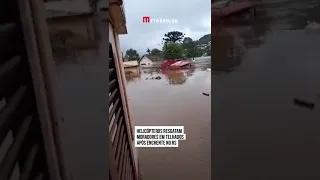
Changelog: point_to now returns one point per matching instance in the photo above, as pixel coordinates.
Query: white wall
(146, 62)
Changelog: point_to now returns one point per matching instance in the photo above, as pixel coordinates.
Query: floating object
(166, 64)
(303, 103)
(206, 94)
(180, 64)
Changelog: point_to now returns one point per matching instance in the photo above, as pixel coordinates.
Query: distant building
(131, 68)
(145, 62)
(202, 46)
(148, 61)
(130, 64)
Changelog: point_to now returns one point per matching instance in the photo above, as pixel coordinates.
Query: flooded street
(176, 99)
(259, 133)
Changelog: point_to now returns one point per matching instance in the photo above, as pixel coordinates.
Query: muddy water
(259, 132)
(176, 99)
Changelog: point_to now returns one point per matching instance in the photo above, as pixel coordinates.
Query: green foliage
(190, 48)
(172, 51)
(205, 39)
(132, 55)
(176, 46)
(173, 36)
(156, 52)
(187, 40)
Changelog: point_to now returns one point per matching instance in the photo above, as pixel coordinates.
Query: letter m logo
(146, 19)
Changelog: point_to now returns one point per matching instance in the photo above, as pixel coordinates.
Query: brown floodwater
(175, 99)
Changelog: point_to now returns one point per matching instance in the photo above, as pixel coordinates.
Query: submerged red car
(166, 64)
(180, 64)
(175, 64)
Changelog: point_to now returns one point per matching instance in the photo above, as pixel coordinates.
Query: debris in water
(157, 78)
(206, 94)
(303, 103)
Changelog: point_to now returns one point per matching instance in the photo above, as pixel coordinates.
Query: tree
(156, 52)
(148, 51)
(173, 36)
(190, 48)
(173, 51)
(132, 55)
(187, 40)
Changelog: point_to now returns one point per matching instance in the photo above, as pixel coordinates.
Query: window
(143, 64)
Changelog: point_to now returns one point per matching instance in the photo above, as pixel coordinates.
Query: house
(145, 62)
(129, 64)
(131, 69)
(72, 24)
(148, 61)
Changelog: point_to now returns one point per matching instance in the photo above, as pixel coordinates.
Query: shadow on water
(232, 38)
(175, 99)
(260, 132)
(235, 36)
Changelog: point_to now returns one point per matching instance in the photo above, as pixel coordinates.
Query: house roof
(130, 64)
(152, 58)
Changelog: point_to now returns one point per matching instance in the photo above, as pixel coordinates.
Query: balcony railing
(122, 162)
(21, 142)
